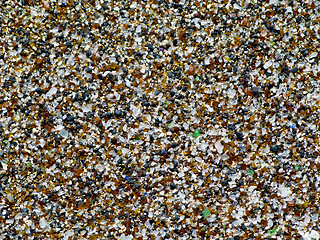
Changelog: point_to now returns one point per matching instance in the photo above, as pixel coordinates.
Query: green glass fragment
(206, 212)
(296, 167)
(273, 231)
(271, 43)
(196, 133)
(203, 229)
(251, 171)
(6, 141)
(29, 164)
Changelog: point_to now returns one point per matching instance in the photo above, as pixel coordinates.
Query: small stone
(274, 148)
(39, 90)
(43, 223)
(208, 191)
(290, 203)
(24, 211)
(68, 234)
(219, 147)
(163, 152)
(118, 113)
(52, 91)
(70, 118)
(239, 135)
(157, 92)
(172, 93)
(231, 171)
(88, 70)
(256, 90)
(294, 70)
(10, 198)
(64, 133)
(88, 53)
(69, 44)
(267, 64)
(109, 114)
(131, 180)
(173, 186)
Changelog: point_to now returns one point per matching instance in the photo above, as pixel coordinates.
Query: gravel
(159, 119)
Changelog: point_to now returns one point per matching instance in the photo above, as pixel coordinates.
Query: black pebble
(231, 171)
(157, 92)
(69, 44)
(256, 90)
(109, 114)
(131, 180)
(208, 191)
(239, 135)
(294, 70)
(118, 113)
(174, 145)
(70, 118)
(88, 54)
(39, 90)
(274, 148)
(173, 186)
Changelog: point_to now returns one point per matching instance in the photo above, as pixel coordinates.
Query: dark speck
(157, 92)
(131, 180)
(239, 135)
(69, 44)
(274, 148)
(173, 186)
(39, 90)
(109, 114)
(118, 113)
(88, 54)
(231, 171)
(256, 90)
(70, 118)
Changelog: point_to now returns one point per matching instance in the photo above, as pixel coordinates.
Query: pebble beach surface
(159, 119)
